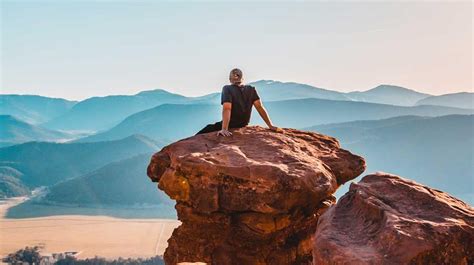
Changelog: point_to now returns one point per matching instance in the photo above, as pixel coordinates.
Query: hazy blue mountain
(100, 113)
(270, 90)
(167, 122)
(370, 123)
(358, 129)
(11, 184)
(45, 163)
(213, 98)
(171, 122)
(388, 94)
(121, 183)
(15, 131)
(436, 151)
(33, 109)
(458, 100)
(306, 112)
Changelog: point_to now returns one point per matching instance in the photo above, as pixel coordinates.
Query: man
(237, 100)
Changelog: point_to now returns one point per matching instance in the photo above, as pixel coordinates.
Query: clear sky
(79, 49)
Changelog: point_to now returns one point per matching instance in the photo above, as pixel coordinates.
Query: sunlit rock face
(387, 219)
(251, 198)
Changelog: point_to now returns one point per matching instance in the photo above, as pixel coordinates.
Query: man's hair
(236, 71)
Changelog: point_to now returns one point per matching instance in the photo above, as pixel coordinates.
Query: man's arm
(226, 101)
(226, 110)
(264, 114)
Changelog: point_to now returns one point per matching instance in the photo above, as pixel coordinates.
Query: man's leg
(211, 128)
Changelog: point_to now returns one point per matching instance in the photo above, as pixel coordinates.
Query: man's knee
(211, 128)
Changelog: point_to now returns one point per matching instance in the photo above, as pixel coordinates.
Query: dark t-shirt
(242, 99)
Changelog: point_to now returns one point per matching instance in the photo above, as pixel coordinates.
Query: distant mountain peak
(38, 97)
(158, 91)
(264, 82)
(388, 94)
(459, 100)
(390, 86)
(393, 88)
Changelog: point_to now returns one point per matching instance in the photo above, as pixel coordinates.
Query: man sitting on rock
(237, 100)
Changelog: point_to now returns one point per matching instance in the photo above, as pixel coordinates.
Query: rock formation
(251, 198)
(386, 219)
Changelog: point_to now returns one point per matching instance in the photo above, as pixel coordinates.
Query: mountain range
(170, 122)
(459, 100)
(435, 151)
(385, 94)
(34, 109)
(15, 131)
(73, 147)
(108, 111)
(388, 94)
(119, 183)
(45, 163)
(164, 123)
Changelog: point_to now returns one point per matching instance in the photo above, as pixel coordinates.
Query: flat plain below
(102, 236)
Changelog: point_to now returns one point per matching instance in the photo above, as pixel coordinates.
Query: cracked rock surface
(388, 219)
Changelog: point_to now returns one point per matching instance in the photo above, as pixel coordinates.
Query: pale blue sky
(79, 49)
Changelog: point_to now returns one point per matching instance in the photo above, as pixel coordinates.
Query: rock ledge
(252, 198)
(387, 219)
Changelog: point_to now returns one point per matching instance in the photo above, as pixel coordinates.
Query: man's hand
(275, 129)
(224, 132)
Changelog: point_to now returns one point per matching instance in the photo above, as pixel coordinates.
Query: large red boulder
(387, 219)
(251, 198)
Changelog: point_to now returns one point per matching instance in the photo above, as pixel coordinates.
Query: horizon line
(260, 80)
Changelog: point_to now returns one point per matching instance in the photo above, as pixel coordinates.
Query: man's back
(242, 98)
(237, 101)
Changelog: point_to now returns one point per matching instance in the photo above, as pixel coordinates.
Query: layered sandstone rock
(386, 219)
(252, 198)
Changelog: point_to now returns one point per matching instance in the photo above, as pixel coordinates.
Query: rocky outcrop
(386, 219)
(252, 198)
